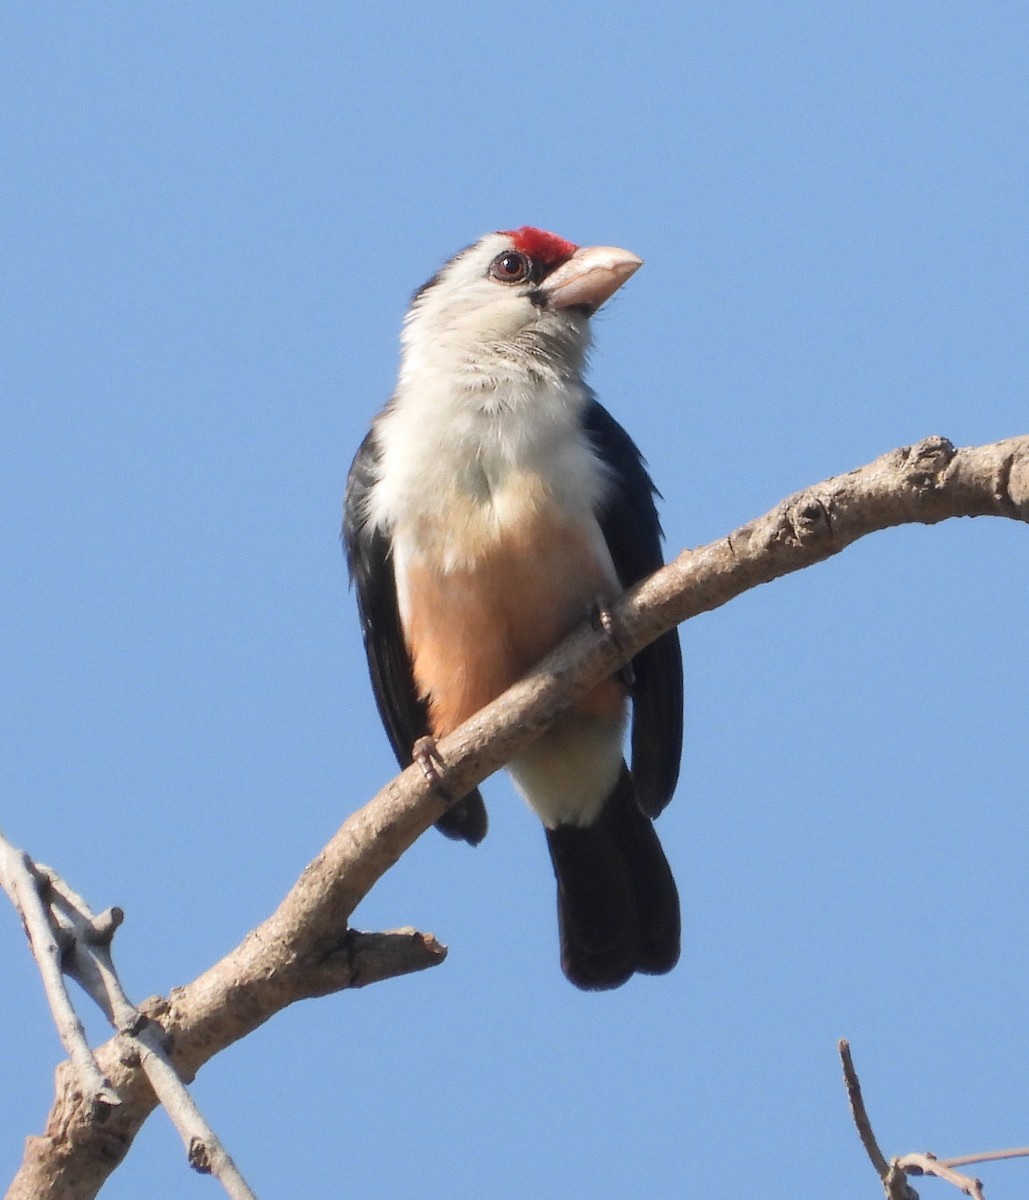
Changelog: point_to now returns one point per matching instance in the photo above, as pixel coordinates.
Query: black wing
(630, 525)
(403, 711)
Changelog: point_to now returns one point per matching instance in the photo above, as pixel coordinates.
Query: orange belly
(473, 630)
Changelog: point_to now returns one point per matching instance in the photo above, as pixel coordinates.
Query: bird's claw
(605, 622)
(426, 754)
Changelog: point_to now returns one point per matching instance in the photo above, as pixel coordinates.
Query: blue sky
(214, 216)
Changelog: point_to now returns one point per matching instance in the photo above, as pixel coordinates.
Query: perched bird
(492, 507)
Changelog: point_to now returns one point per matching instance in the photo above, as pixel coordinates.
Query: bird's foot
(604, 621)
(426, 754)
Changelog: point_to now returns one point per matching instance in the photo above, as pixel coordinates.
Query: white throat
(455, 453)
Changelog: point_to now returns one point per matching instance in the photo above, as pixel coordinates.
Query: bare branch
(304, 947)
(68, 938)
(894, 1174)
(929, 1164)
(25, 885)
(968, 1160)
(858, 1111)
(204, 1149)
(91, 964)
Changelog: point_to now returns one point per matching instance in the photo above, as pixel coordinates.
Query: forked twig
(67, 938)
(894, 1174)
(27, 888)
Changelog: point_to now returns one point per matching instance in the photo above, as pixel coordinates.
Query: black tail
(466, 820)
(617, 903)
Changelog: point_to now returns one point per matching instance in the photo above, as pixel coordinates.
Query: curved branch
(304, 949)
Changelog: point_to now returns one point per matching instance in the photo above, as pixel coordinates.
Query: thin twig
(967, 1160)
(25, 885)
(67, 938)
(891, 1174)
(204, 1148)
(858, 1111)
(92, 966)
(929, 1164)
(894, 1174)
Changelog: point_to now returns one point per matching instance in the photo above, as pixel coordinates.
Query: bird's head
(514, 302)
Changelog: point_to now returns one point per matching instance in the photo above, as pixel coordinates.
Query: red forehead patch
(542, 246)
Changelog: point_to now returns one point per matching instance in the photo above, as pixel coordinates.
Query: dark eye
(510, 267)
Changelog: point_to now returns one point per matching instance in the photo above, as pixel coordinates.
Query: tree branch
(893, 1175)
(67, 938)
(304, 948)
(26, 885)
(859, 1112)
(929, 1164)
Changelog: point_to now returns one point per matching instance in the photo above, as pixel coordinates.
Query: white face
(485, 310)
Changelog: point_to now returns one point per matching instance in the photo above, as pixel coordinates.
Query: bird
(492, 507)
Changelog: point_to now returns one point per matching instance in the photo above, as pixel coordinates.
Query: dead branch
(67, 938)
(894, 1174)
(967, 1160)
(304, 948)
(27, 887)
(860, 1113)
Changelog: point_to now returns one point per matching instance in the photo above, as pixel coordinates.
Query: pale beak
(589, 277)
